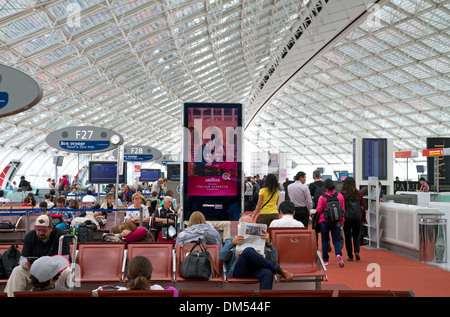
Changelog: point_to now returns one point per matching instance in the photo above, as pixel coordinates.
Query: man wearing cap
(287, 209)
(42, 241)
(45, 272)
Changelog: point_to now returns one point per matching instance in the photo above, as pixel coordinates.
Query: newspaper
(252, 237)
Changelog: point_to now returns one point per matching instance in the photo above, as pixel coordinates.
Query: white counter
(400, 224)
(423, 199)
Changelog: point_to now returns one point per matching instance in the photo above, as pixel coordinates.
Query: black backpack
(10, 259)
(353, 209)
(84, 232)
(319, 192)
(333, 211)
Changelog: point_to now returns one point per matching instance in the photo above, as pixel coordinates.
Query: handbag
(197, 265)
(315, 222)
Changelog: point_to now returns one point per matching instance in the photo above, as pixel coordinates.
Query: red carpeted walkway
(392, 271)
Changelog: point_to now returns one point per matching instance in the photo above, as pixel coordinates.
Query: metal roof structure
(311, 74)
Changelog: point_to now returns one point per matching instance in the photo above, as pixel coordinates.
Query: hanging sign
(18, 91)
(85, 139)
(433, 152)
(138, 153)
(406, 154)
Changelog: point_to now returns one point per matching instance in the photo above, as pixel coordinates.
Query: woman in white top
(49, 183)
(134, 215)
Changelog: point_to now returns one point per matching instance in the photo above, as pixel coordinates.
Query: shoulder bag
(197, 265)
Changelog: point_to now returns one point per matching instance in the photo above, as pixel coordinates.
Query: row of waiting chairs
(296, 249)
(105, 262)
(221, 293)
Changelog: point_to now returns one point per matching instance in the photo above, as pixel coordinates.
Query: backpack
(319, 192)
(333, 211)
(10, 259)
(84, 232)
(248, 189)
(353, 209)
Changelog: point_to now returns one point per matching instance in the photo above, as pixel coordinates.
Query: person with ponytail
(140, 273)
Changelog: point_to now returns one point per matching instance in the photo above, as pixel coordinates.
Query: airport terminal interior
(352, 88)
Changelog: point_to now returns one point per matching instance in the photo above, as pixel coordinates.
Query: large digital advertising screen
(212, 165)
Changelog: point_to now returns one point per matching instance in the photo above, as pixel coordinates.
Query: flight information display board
(374, 158)
(105, 172)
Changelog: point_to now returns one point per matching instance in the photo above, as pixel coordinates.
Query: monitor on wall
(150, 175)
(173, 172)
(105, 172)
(374, 158)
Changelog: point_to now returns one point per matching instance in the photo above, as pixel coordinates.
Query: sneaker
(350, 259)
(340, 260)
(357, 257)
(325, 262)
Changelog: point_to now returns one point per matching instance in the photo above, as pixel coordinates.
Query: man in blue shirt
(251, 264)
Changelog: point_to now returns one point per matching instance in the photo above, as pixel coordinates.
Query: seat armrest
(322, 264)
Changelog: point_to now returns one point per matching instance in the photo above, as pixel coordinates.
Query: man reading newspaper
(251, 254)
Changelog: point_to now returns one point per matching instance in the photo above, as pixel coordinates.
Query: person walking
(301, 197)
(266, 210)
(328, 226)
(355, 217)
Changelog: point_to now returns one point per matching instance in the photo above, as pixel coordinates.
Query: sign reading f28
(18, 91)
(84, 139)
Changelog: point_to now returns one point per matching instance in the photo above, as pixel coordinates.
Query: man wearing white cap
(46, 270)
(42, 241)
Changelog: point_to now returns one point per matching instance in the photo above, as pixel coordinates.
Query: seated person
(45, 272)
(174, 200)
(251, 264)
(134, 215)
(164, 216)
(198, 228)
(61, 217)
(287, 209)
(42, 241)
(128, 232)
(139, 273)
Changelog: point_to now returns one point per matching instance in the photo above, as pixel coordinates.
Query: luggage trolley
(71, 279)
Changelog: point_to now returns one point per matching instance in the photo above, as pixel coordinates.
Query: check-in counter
(423, 199)
(399, 224)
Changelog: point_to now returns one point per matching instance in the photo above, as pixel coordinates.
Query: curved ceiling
(311, 74)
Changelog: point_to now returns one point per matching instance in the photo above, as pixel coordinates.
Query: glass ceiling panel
(149, 57)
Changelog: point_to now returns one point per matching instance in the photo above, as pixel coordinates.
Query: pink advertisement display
(212, 168)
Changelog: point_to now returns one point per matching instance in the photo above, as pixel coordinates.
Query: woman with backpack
(355, 216)
(331, 207)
